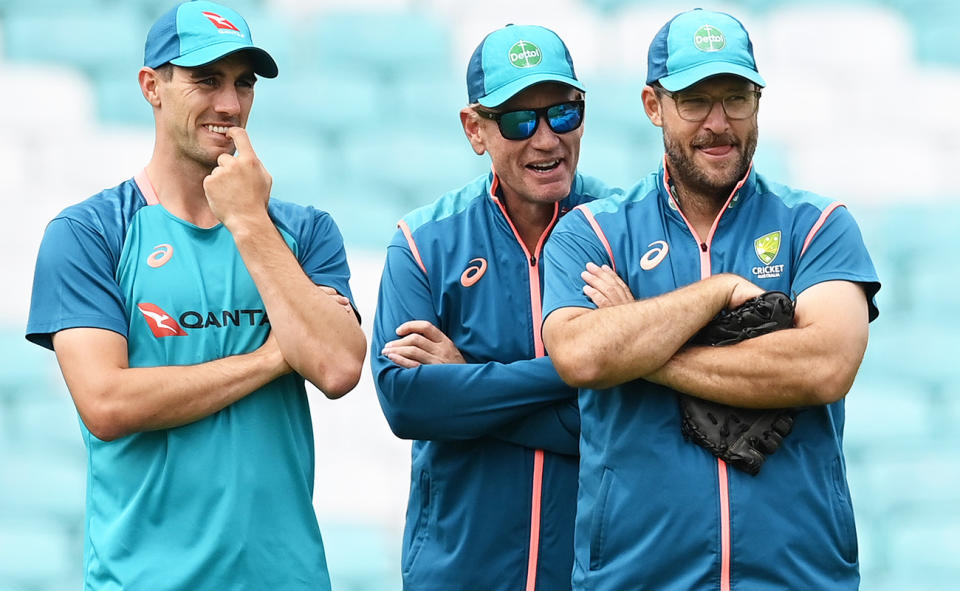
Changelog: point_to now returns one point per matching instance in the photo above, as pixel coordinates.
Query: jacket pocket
(598, 525)
(418, 535)
(844, 511)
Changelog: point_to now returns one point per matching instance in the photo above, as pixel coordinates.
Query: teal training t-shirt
(224, 502)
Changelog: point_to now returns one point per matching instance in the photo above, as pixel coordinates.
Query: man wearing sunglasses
(703, 234)
(456, 354)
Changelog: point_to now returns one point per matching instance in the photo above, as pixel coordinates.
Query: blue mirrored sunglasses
(522, 124)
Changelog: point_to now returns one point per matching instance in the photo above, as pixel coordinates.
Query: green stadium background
(861, 105)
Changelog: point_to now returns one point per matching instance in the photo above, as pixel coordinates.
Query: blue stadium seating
(117, 32)
(388, 45)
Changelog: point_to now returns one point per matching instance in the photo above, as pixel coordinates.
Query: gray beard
(692, 178)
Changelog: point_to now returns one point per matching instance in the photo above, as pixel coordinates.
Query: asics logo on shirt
(160, 255)
(653, 257)
(474, 272)
(160, 323)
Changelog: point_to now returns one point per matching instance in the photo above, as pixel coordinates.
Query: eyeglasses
(523, 123)
(696, 107)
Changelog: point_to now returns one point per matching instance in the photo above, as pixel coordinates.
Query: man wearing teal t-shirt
(186, 307)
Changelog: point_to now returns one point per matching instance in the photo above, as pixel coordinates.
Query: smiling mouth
(544, 166)
(720, 150)
(221, 129)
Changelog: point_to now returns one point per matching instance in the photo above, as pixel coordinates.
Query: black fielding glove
(742, 437)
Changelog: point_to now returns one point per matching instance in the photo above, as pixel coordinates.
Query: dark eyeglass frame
(541, 113)
(673, 95)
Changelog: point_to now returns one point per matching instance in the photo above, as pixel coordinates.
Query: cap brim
(502, 95)
(263, 64)
(681, 80)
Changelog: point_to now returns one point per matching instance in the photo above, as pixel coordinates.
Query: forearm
(464, 401)
(811, 364)
(612, 345)
(555, 428)
(318, 337)
(115, 400)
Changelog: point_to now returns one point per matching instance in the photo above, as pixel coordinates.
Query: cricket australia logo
(708, 38)
(524, 54)
(767, 248)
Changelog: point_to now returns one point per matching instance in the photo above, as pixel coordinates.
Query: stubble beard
(685, 172)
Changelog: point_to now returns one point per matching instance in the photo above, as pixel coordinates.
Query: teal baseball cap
(516, 57)
(197, 33)
(697, 44)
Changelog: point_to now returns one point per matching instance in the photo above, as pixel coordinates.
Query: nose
(716, 120)
(544, 138)
(228, 101)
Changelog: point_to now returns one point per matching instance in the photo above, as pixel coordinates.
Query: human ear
(471, 127)
(149, 85)
(652, 105)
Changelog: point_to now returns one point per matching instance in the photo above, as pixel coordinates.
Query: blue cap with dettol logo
(197, 33)
(516, 57)
(698, 44)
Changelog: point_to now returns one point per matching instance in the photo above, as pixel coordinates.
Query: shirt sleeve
(555, 428)
(450, 401)
(74, 283)
(323, 257)
(835, 251)
(572, 245)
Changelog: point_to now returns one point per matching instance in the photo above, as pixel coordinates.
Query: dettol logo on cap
(709, 38)
(524, 54)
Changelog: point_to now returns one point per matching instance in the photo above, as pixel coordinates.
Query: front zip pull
(703, 246)
(533, 261)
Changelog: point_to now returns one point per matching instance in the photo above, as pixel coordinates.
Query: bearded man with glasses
(702, 235)
(457, 356)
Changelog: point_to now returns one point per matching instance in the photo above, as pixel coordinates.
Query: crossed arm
(313, 329)
(318, 335)
(813, 363)
(428, 390)
(524, 402)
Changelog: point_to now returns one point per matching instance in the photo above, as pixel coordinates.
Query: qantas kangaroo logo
(160, 323)
(474, 272)
(220, 22)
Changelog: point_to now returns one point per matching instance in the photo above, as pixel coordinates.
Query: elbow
(828, 393)
(338, 373)
(577, 363)
(404, 427)
(578, 372)
(406, 420)
(831, 385)
(337, 380)
(104, 421)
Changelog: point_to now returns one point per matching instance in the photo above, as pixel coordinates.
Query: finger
(223, 160)
(241, 140)
(420, 327)
(402, 361)
(411, 340)
(595, 296)
(592, 279)
(327, 290)
(592, 267)
(410, 353)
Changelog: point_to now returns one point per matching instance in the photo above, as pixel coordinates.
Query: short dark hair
(165, 71)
